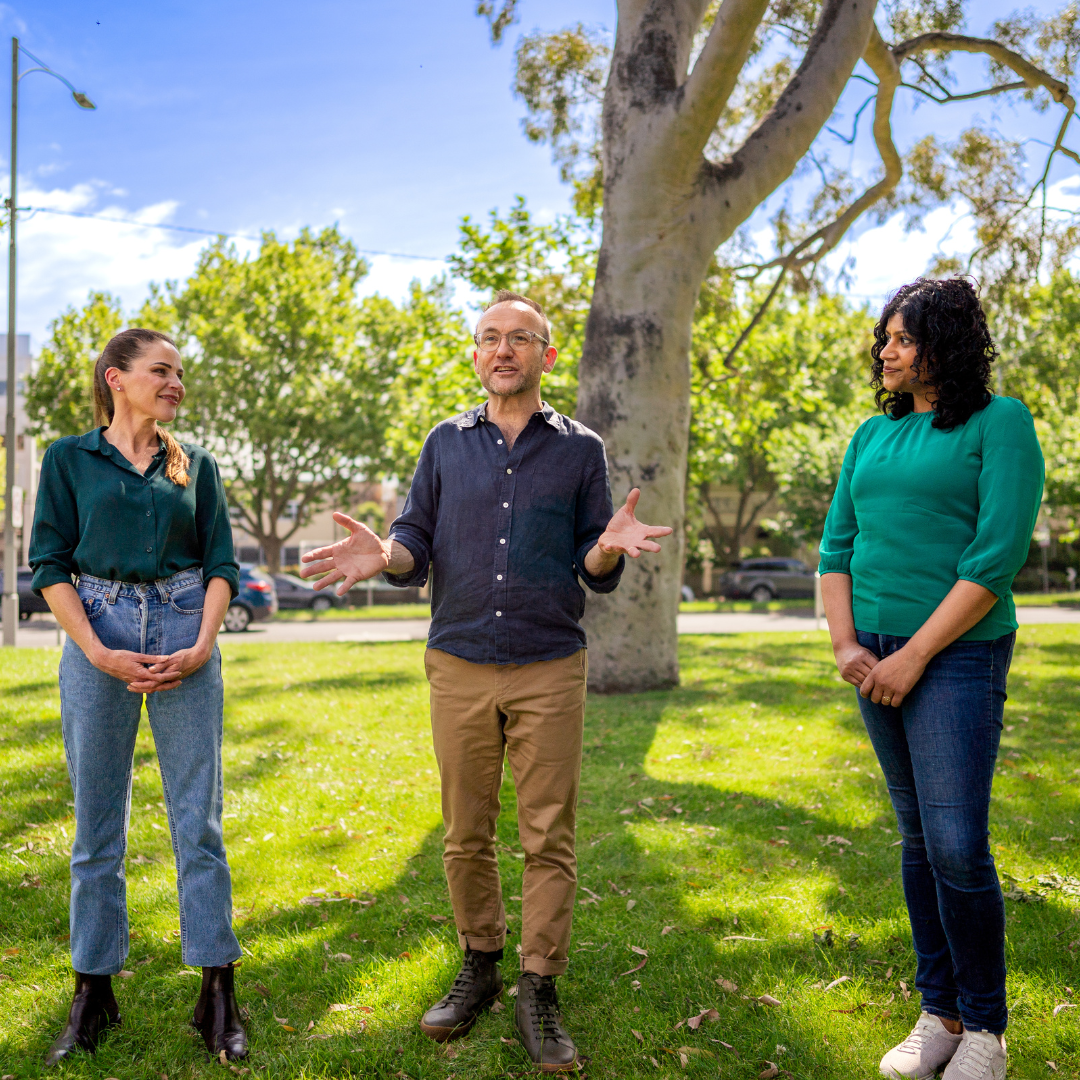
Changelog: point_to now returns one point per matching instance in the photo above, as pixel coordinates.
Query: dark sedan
(295, 593)
(762, 580)
(28, 602)
(256, 601)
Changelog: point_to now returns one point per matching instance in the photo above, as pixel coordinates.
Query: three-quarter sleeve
(214, 527)
(592, 513)
(1010, 493)
(55, 535)
(841, 526)
(414, 529)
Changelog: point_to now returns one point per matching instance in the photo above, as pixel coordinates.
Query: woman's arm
(185, 662)
(852, 661)
(894, 677)
(133, 668)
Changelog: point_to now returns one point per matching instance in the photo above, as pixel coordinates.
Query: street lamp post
(9, 610)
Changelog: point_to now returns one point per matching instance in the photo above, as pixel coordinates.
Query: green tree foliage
(772, 427)
(59, 392)
(1039, 336)
(288, 384)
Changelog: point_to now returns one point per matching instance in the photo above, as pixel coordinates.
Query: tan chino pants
(534, 713)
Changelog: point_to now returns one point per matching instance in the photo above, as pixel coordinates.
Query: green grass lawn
(736, 828)
(376, 611)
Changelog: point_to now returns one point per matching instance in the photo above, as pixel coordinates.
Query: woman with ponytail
(132, 550)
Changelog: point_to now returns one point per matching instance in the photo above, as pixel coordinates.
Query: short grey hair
(504, 296)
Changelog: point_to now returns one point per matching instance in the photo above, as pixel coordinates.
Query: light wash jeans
(100, 720)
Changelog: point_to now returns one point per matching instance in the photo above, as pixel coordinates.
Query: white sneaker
(929, 1046)
(981, 1056)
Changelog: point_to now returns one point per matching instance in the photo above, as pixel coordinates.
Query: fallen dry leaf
(727, 986)
(630, 905)
(694, 1022)
(342, 956)
(904, 990)
(126, 974)
(223, 1058)
(768, 999)
(368, 1008)
(769, 1072)
(498, 1007)
(450, 1051)
(638, 950)
(652, 1059)
(338, 1008)
(1053, 1066)
(1063, 1005)
(310, 1024)
(439, 918)
(837, 982)
(888, 974)
(318, 1035)
(508, 1042)
(666, 930)
(637, 1035)
(633, 969)
(11, 952)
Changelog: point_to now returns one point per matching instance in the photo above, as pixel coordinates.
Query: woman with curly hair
(931, 520)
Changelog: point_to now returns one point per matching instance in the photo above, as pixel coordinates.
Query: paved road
(41, 632)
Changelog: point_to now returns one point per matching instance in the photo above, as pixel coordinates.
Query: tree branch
(781, 140)
(718, 67)
(948, 97)
(1031, 75)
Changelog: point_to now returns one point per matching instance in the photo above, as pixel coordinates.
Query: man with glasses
(509, 507)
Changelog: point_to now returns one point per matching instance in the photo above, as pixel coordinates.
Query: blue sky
(393, 119)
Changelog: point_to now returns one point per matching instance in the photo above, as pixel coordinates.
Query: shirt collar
(95, 441)
(474, 416)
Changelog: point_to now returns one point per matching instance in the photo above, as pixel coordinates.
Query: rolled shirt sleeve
(841, 525)
(594, 511)
(55, 535)
(214, 527)
(1010, 493)
(414, 529)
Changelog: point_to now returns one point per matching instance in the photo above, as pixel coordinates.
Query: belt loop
(163, 592)
(114, 591)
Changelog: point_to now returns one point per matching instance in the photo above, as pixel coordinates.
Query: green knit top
(916, 509)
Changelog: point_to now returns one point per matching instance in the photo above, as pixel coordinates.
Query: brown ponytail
(120, 352)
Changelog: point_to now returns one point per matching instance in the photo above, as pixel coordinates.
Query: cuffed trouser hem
(945, 1014)
(541, 965)
(481, 944)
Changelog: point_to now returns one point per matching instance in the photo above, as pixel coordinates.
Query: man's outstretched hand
(625, 535)
(360, 556)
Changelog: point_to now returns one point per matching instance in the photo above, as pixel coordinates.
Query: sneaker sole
(570, 1066)
(445, 1034)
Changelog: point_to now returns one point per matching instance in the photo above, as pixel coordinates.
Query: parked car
(762, 580)
(256, 601)
(294, 592)
(28, 602)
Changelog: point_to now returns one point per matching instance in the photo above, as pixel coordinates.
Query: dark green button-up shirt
(97, 514)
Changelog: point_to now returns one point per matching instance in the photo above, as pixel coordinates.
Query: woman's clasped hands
(147, 674)
(884, 682)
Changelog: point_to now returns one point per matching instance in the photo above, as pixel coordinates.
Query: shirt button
(506, 504)
(498, 577)
(499, 613)
(509, 471)
(499, 441)
(148, 513)
(502, 541)
(149, 549)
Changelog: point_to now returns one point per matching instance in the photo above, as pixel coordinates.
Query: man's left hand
(625, 535)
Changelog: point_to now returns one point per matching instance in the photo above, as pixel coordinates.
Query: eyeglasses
(519, 340)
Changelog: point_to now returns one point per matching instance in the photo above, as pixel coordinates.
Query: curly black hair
(954, 349)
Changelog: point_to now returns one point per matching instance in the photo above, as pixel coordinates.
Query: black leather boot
(93, 1009)
(540, 1025)
(217, 1016)
(477, 985)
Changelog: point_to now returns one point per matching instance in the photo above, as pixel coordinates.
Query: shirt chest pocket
(553, 492)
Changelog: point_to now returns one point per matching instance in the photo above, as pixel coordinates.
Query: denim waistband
(139, 589)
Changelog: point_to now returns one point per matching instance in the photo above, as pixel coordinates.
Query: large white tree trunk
(666, 210)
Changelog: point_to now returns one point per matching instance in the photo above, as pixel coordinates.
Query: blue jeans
(100, 720)
(937, 751)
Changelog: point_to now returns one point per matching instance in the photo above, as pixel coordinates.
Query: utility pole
(9, 606)
(10, 611)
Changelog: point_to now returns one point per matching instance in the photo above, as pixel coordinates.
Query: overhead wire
(205, 232)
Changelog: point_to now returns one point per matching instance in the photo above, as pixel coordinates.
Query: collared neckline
(95, 441)
(474, 416)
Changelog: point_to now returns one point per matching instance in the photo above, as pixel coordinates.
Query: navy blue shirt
(505, 533)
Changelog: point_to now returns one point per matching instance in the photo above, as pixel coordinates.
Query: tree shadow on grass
(719, 872)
